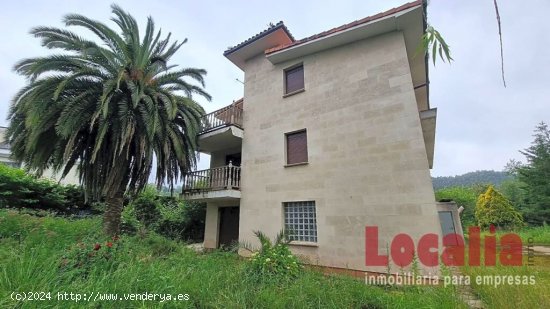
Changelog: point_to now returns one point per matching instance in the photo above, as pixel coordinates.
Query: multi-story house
(335, 133)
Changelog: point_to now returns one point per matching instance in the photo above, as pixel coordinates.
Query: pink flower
(97, 247)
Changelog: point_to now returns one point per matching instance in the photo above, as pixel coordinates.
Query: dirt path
(541, 250)
(466, 293)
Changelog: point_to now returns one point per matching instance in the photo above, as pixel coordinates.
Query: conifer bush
(493, 208)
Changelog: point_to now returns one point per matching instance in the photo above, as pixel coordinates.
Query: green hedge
(21, 190)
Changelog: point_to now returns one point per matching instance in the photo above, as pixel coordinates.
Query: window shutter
(294, 79)
(296, 147)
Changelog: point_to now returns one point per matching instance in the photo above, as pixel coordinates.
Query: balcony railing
(229, 115)
(218, 178)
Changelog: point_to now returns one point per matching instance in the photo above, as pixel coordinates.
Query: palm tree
(109, 108)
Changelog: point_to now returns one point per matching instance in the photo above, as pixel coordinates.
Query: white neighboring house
(5, 153)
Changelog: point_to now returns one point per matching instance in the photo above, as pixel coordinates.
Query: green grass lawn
(516, 295)
(40, 254)
(539, 235)
(37, 255)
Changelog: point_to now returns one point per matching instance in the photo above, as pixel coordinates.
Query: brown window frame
(287, 152)
(285, 77)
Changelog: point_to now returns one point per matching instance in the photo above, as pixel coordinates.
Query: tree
(514, 191)
(493, 208)
(535, 174)
(110, 109)
(463, 196)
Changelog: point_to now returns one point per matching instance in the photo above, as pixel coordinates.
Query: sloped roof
(346, 26)
(272, 28)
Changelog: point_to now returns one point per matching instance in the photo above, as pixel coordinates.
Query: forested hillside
(468, 179)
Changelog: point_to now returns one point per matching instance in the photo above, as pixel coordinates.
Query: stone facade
(370, 140)
(367, 162)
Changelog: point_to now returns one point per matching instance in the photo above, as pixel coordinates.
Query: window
(300, 221)
(296, 147)
(294, 79)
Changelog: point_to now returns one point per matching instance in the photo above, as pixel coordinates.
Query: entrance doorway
(229, 226)
(235, 159)
(447, 225)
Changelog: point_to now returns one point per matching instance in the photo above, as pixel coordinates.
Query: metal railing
(219, 178)
(229, 115)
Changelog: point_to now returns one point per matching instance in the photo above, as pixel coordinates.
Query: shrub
(81, 259)
(74, 197)
(273, 261)
(147, 207)
(168, 216)
(129, 224)
(182, 220)
(21, 190)
(494, 209)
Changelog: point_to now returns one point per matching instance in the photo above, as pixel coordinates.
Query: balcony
(222, 129)
(219, 183)
(223, 117)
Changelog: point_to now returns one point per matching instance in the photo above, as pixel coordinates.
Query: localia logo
(403, 249)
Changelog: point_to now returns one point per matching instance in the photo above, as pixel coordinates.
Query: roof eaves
(427, 56)
(272, 28)
(346, 26)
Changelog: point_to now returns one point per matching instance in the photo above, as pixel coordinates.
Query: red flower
(109, 244)
(97, 247)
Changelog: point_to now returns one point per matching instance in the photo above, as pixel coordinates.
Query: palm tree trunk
(113, 212)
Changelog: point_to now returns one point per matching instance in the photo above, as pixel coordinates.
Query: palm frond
(110, 110)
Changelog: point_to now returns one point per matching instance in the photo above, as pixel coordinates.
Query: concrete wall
(5, 153)
(367, 158)
(2, 138)
(212, 222)
(70, 179)
(217, 158)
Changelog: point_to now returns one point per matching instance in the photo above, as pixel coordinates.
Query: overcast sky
(480, 124)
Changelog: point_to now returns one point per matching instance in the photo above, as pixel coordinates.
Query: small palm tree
(110, 109)
(280, 239)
